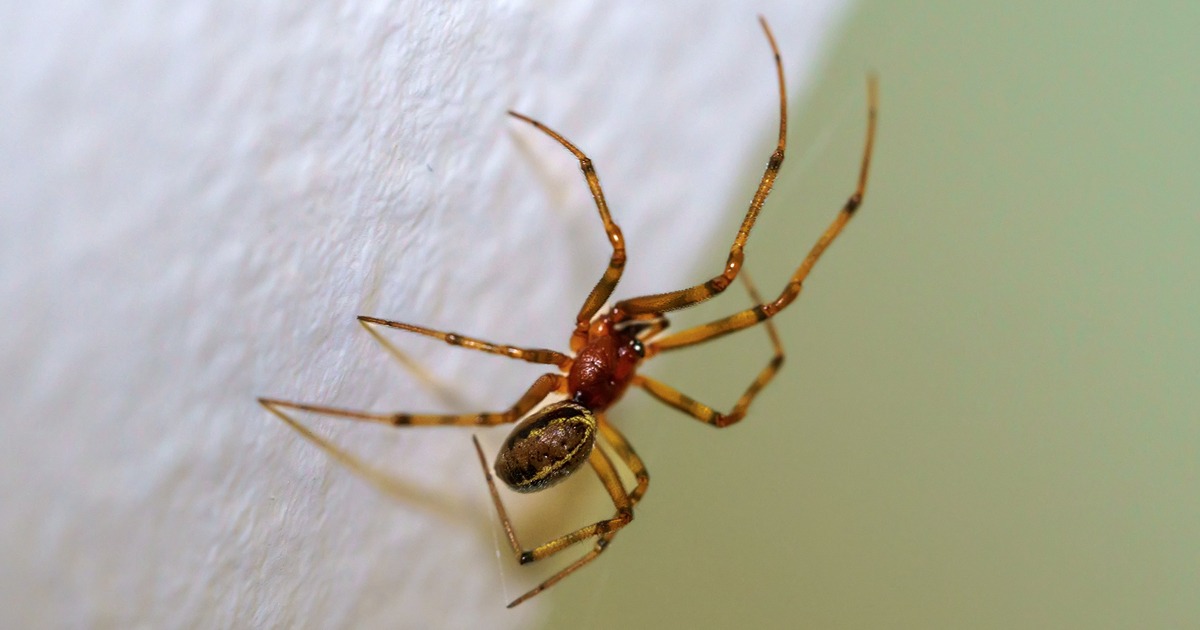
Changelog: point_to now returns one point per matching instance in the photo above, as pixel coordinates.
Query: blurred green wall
(990, 413)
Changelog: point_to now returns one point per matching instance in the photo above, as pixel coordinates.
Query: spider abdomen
(547, 447)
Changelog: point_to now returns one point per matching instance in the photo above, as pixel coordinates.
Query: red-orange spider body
(549, 445)
(605, 364)
(607, 347)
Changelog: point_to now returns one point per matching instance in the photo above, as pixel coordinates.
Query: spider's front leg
(674, 300)
(616, 262)
(766, 310)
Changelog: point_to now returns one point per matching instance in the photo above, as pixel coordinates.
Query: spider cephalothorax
(604, 366)
(606, 349)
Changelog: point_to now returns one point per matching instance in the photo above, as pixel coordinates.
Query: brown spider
(607, 347)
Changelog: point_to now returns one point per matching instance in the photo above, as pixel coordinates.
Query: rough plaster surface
(197, 198)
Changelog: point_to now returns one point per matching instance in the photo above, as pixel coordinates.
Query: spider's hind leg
(542, 387)
(630, 458)
(603, 530)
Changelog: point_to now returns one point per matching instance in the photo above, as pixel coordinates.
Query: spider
(607, 347)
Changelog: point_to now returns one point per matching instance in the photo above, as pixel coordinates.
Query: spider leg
(447, 392)
(704, 413)
(382, 480)
(532, 355)
(616, 263)
(765, 310)
(603, 530)
(542, 387)
(628, 456)
(663, 302)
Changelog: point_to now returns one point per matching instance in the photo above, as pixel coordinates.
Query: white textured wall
(197, 198)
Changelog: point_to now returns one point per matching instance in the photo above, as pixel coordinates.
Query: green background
(989, 416)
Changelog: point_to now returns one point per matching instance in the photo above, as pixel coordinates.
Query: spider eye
(639, 348)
